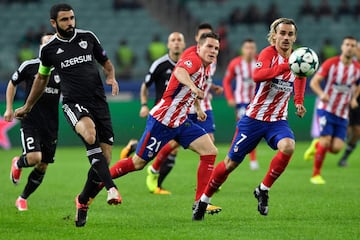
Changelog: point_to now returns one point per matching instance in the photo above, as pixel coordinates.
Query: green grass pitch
(297, 209)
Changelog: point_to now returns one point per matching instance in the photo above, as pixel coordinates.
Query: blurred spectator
(156, 49)
(343, 9)
(324, 9)
(222, 30)
(125, 59)
(25, 53)
(271, 14)
(356, 9)
(30, 37)
(126, 4)
(252, 15)
(327, 50)
(236, 16)
(307, 9)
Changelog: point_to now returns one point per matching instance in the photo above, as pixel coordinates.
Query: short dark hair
(350, 37)
(45, 34)
(249, 40)
(208, 35)
(55, 9)
(204, 26)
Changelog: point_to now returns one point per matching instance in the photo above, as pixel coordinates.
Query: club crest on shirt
(188, 63)
(57, 78)
(83, 44)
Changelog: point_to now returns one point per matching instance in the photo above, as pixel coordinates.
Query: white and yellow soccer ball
(303, 62)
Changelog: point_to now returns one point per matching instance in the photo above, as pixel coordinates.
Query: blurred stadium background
(138, 21)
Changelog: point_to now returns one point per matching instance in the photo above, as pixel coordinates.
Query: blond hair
(275, 24)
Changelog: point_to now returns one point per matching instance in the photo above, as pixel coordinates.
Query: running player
(168, 119)
(353, 132)
(159, 74)
(342, 73)
(39, 129)
(208, 125)
(72, 52)
(241, 69)
(265, 117)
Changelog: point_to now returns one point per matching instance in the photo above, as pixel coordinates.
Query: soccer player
(208, 125)
(241, 70)
(342, 74)
(38, 130)
(74, 54)
(353, 131)
(159, 74)
(265, 117)
(168, 119)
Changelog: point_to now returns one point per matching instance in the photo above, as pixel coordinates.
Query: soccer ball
(303, 62)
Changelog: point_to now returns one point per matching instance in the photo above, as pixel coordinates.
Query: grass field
(298, 210)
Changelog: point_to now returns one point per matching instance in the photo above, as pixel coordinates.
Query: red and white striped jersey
(242, 71)
(205, 104)
(274, 86)
(177, 99)
(340, 83)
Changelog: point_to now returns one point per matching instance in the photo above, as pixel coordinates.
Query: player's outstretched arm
(184, 77)
(109, 71)
(315, 85)
(10, 94)
(144, 93)
(354, 103)
(37, 90)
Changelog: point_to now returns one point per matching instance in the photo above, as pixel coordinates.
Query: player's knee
(139, 163)
(287, 146)
(34, 158)
(90, 136)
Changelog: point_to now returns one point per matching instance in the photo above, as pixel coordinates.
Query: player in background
(241, 70)
(159, 74)
(168, 119)
(265, 117)
(39, 130)
(342, 74)
(74, 54)
(353, 131)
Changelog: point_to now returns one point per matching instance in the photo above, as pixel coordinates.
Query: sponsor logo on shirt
(76, 60)
(50, 90)
(282, 86)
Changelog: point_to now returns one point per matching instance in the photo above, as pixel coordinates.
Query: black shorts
(354, 116)
(34, 141)
(98, 112)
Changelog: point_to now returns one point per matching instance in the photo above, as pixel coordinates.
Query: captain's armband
(44, 70)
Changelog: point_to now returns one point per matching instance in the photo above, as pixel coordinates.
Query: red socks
(205, 169)
(277, 167)
(217, 178)
(252, 155)
(319, 158)
(122, 167)
(162, 156)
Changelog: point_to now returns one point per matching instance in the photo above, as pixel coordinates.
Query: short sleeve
(99, 52)
(190, 63)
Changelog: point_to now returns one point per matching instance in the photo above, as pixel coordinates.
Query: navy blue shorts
(208, 124)
(332, 125)
(156, 135)
(250, 131)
